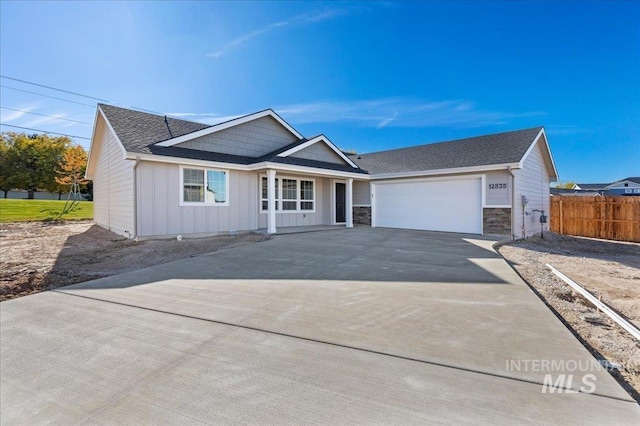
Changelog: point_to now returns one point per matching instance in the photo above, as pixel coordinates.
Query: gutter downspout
(135, 200)
(513, 202)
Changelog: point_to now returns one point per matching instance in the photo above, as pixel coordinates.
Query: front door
(341, 202)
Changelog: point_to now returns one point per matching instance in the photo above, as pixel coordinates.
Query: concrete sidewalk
(349, 326)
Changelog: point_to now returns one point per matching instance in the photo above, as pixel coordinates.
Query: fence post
(561, 223)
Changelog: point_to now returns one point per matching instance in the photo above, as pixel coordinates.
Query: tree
(71, 169)
(565, 185)
(34, 160)
(7, 175)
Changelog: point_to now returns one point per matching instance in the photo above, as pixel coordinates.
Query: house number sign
(497, 186)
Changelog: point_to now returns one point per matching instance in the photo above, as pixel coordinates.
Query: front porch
(305, 201)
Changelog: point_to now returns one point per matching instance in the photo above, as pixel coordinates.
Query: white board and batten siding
(361, 193)
(498, 188)
(112, 185)
(450, 204)
(533, 182)
(160, 214)
(252, 139)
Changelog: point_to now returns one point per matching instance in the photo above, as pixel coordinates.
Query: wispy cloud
(400, 112)
(7, 116)
(304, 19)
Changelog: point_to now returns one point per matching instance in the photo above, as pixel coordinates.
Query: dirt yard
(607, 269)
(37, 256)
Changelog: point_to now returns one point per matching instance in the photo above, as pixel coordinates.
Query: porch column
(349, 202)
(271, 201)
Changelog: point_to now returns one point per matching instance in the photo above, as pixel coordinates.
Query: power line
(45, 115)
(46, 96)
(73, 93)
(53, 88)
(44, 131)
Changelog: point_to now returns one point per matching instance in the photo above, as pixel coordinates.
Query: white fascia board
(317, 139)
(87, 174)
(444, 171)
(185, 161)
(228, 124)
(307, 170)
(244, 167)
(546, 144)
(101, 113)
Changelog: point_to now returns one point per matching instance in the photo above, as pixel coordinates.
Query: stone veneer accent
(496, 220)
(362, 215)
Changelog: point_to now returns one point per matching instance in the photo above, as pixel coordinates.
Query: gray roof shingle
(139, 130)
(593, 186)
(498, 148)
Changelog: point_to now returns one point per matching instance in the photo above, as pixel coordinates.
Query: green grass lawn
(32, 210)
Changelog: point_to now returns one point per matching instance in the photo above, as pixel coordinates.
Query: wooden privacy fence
(610, 218)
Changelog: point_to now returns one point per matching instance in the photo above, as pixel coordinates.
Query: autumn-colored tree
(566, 185)
(34, 159)
(72, 168)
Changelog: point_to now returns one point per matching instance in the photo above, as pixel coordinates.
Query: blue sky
(371, 76)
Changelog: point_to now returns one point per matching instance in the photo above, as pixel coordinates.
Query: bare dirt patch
(609, 270)
(38, 256)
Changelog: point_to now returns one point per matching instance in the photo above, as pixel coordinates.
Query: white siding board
(113, 184)
(361, 193)
(252, 139)
(531, 181)
(160, 213)
(498, 197)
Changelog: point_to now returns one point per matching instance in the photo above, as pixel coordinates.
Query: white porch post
(271, 201)
(349, 207)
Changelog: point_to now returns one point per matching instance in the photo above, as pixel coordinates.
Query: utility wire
(45, 115)
(53, 88)
(73, 93)
(44, 131)
(46, 96)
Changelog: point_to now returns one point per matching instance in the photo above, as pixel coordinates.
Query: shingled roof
(139, 130)
(498, 148)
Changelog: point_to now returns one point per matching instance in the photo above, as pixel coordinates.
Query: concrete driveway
(346, 326)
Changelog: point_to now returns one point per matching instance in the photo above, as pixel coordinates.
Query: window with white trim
(293, 195)
(204, 187)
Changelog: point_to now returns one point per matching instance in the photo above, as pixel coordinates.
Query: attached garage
(449, 204)
(493, 184)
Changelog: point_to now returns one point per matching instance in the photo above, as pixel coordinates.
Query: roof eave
(457, 170)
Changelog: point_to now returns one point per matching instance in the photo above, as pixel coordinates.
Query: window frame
(184, 203)
(279, 198)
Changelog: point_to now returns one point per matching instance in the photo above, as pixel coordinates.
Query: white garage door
(452, 205)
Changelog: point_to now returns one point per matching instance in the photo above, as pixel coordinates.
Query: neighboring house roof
(499, 148)
(629, 179)
(591, 186)
(573, 192)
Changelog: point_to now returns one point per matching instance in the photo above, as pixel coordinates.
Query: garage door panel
(453, 205)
